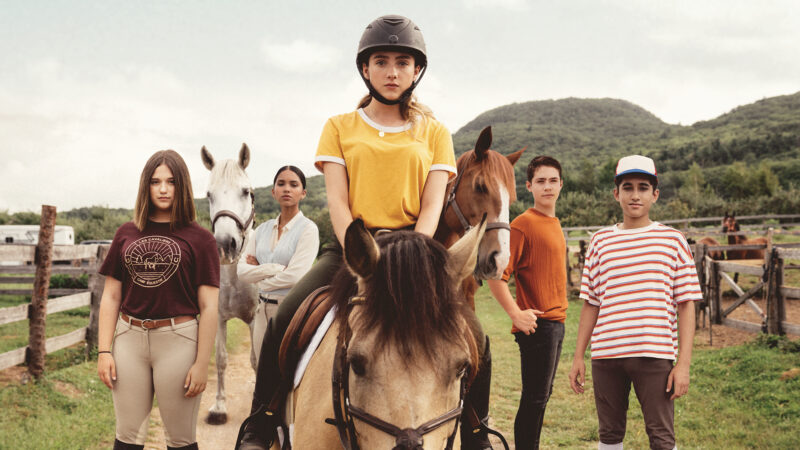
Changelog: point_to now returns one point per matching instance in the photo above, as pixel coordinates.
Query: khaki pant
(155, 362)
(264, 311)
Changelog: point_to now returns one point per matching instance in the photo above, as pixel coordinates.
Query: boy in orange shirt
(538, 262)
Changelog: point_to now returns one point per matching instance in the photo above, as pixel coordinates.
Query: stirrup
(476, 425)
(272, 423)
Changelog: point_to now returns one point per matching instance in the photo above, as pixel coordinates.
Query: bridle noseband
(242, 225)
(452, 203)
(344, 412)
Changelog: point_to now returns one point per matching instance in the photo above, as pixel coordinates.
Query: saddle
(302, 328)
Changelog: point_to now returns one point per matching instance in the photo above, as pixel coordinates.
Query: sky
(90, 89)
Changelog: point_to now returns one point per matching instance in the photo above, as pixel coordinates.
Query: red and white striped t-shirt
(637, 278)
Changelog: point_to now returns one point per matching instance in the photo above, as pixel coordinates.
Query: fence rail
(38, 260)
(770, 271)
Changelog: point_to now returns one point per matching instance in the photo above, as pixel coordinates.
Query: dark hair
(294, 169)
(653, 180)
(183, 212)
(543, 161)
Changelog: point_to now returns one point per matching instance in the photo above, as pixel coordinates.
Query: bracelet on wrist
(104, 351)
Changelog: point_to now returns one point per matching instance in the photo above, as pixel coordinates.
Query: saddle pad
(301, 329)
(313, 344)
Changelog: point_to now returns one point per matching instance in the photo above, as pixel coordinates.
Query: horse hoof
(216, 418)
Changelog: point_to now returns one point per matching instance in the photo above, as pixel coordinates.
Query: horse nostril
(232, 246)
(492, 261)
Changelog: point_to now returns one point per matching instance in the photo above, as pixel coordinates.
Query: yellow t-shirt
(386, 166)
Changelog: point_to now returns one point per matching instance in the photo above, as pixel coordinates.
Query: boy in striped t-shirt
(639, 281)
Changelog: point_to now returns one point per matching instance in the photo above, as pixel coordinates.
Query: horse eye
(246, 192)
(480, 187)
(359, 364)
(208, 195)
(462, 369)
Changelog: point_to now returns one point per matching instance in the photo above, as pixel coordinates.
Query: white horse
(232, 206)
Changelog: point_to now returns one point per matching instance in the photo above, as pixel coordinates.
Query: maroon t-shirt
(160, 270)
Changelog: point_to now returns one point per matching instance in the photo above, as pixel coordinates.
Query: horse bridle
(344, 412)
(242, 225)
(452, 203)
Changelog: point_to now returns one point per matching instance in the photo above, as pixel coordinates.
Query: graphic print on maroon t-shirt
(152, 260)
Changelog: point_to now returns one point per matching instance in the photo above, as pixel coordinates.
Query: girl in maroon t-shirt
(159, 307)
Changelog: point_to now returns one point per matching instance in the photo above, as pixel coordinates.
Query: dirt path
(240, 381)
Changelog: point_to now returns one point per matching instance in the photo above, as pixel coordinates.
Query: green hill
(746, 160)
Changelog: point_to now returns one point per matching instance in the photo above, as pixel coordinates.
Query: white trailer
(29, 234)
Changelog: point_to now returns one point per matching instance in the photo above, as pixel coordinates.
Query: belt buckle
(151, 321)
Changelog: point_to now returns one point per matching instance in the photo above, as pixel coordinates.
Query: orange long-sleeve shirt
(538, 262)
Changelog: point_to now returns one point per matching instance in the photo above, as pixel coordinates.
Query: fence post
(37, 312)
(699, 259)
(716, 308)
(773, 316)
(96, 284)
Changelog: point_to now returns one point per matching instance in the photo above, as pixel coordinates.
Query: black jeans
(539, 353)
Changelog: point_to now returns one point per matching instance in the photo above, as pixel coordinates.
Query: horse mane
(226, 170)
(410, 299)
(487, 170)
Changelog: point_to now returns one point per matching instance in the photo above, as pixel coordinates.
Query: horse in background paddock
(729, 225)
(484, 185)
(716, 255)
(231, 203)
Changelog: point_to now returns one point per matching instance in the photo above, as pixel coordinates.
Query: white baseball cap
(636, 164)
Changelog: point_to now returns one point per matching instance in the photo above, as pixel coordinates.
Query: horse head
(231, 203)
(410, 350)
(484, 185)
(729, 222)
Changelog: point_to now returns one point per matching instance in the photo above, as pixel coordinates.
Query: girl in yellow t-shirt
(387, 163)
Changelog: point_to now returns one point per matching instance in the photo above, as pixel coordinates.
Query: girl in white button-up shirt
(281, 251)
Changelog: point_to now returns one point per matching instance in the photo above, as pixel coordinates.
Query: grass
(736, 399)
(70, 408)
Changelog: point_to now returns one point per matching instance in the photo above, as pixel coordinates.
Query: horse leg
(218, 414)
(253, 355)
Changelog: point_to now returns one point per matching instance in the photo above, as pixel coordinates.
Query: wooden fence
(685, 226)
(714, 275)
(19, 262)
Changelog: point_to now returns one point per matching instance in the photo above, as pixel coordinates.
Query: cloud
(301, 56)
(513, 5)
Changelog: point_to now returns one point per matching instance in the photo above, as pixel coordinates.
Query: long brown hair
(183, 212)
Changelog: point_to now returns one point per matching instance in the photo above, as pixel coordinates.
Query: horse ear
(483, 143)
(514, 157)
(208, 160)
(361, 252)
(244, 156)
(464, 253)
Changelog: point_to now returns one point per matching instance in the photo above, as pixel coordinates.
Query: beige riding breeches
(266, 308)
(155, 362)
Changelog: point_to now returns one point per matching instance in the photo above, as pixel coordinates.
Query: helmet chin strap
(403, 97)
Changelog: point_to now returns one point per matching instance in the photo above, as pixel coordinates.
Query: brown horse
(485, 185)
(729, 225)
(400, 347)
(716, 255)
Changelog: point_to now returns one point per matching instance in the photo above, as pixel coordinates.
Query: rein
(452, 203)
(344, 412)
(242, 225)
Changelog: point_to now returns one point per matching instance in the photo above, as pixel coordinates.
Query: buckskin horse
(394, 366)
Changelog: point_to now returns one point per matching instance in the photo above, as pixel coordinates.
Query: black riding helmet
(392, 33)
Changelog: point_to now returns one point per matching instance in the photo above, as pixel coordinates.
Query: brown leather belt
(149, 324)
